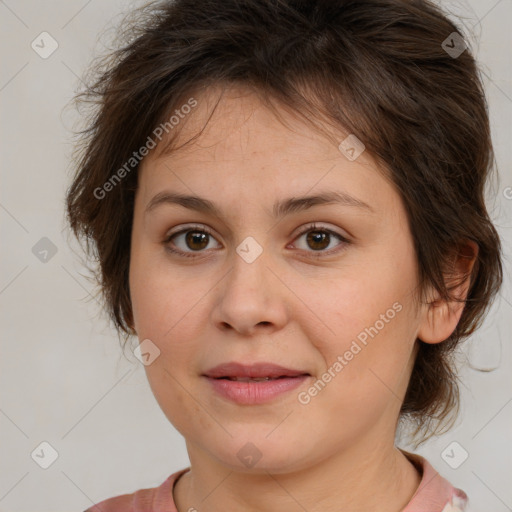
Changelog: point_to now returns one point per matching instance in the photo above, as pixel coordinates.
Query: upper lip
(256, 370)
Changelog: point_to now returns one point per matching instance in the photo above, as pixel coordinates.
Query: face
(324, 289)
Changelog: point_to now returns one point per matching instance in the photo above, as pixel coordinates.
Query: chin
(257, 454)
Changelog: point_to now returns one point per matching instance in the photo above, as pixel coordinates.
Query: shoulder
(144, 500)
(138, 501)
(457, 502)
(435, 493)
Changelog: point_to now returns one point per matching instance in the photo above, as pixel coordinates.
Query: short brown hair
(376, 68)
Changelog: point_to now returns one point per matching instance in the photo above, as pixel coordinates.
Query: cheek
(174, 400)
(159, 297)
(366, 383)
(371, 332)
(349, 308)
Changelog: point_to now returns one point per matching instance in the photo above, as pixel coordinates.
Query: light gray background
(63, 377)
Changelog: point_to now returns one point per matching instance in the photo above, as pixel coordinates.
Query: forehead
(236, 119)
(242, 144)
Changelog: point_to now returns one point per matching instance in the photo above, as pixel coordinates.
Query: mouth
(254, 384)
(259, 379)
(255, 372)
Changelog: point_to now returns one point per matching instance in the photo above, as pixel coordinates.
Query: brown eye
(196, 240)
(189, 241)
(193, 241)
(317, 240)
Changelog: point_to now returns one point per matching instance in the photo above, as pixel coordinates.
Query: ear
(439, 318)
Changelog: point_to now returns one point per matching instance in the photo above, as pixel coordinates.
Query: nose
(251, 299)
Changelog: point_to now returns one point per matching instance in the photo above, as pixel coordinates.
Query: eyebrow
(280, 209)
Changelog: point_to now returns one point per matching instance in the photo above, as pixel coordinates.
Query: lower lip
(256, 392)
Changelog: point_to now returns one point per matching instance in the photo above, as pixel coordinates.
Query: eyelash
(311, 227)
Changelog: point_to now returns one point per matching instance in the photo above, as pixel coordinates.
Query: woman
(287, 203)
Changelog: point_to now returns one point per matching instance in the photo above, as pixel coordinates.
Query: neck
(352, 481)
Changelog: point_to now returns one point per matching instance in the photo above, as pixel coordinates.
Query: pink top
(434, 494)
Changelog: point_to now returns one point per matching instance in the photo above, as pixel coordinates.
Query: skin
(336, 452)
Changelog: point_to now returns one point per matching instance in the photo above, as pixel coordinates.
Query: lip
(255, 392)
(252, 393)
(256, 370)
